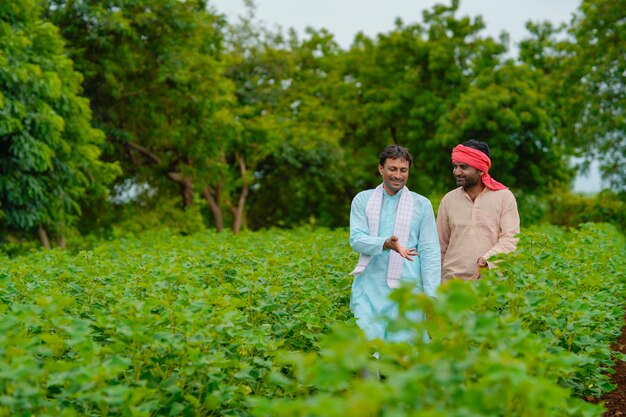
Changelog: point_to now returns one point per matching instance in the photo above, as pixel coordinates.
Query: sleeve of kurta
(360, 239)
(428, 250)
(509, 228)
(443, 227)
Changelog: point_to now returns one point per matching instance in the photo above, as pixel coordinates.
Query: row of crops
(258, 325)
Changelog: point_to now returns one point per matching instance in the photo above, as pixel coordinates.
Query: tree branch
(145, 152)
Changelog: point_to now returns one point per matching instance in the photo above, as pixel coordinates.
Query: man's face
(465, 175)
(395, 172)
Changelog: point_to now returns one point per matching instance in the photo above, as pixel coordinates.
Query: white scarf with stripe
(402, 228)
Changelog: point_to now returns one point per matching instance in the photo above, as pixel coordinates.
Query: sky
(345, 18)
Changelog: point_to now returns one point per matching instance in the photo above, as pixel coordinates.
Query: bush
(563, 208)
(567, 209)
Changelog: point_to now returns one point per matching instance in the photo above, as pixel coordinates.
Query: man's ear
(380, 169)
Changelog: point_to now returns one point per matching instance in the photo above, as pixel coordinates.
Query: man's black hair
(476, 144)
(395, 152)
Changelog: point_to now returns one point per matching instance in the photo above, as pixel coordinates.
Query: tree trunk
(43, 237)
(61, 243)
(239, 210)
(394, 137)
(186, 187)
(212, 197)
(185, 183)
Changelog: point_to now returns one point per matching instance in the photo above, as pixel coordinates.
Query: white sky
(345, 18)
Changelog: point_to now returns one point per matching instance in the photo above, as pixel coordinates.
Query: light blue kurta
(369, 299)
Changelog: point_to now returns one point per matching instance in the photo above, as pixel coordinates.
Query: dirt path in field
(615, 401)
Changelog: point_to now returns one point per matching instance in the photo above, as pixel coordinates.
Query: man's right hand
(406, 253)
(481, 263)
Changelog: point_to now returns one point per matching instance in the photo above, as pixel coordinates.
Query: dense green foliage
(255, 128)
(169, 325)
(49, 152)
(572, 210)
(584, 76)
(163, 324)
(512, 344)
(601, 73)
(288, 137)
(157, 86)
(160, 315)
(567, 209)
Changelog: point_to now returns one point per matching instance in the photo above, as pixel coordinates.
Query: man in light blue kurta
(420, 254)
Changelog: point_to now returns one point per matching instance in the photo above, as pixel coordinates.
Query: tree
(305, 180)
(584, 76)
(153, 72)
(598, 122)
(286, 131)
(49, 152)
(509, 109)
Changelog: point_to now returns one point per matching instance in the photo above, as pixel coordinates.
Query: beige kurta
(470, 230)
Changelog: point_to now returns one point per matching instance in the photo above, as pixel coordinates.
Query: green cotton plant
(529, 339)
(164, 324)
(569, 288)
(259, 324)
(478, 363)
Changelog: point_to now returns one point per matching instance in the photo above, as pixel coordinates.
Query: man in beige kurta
(477, 220)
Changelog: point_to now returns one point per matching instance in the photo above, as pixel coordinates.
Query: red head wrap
(476, 159)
